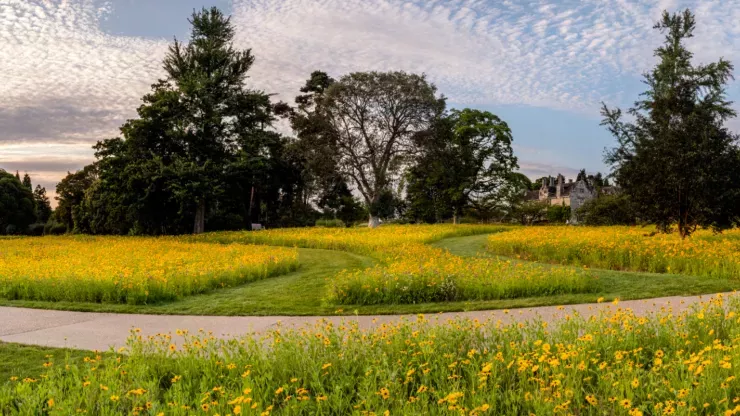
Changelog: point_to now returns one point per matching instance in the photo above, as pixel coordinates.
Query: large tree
(375, 116)
(677, 162)
(16, 205)
(466, 156)
(197, 147)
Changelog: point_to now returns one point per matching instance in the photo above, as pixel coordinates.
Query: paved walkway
(100, 331)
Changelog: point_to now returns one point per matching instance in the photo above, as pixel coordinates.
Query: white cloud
(64, 80)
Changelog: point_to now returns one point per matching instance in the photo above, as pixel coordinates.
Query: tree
(375, 116)
(27, 182)
(530, 212)
(466, 156)
(197, 148)
(70, 193)
(16, 205)
(607, 210)
(677, 162)
(43, 206)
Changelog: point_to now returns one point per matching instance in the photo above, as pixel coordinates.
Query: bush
(330, 223)
(36, 229)
(607, 210)
(558, 214)
(54, 228)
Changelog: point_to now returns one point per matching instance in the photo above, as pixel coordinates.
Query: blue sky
(74, 70)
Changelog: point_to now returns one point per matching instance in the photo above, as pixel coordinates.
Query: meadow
(393, 269)
(705, 254)
(616, 363)
(130, 270)
(410, 271)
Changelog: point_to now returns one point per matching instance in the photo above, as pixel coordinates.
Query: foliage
(677, 162)
(199, 151)
(608, 210)
(558, 214)
(530, 212)
(618, 362)
(17, 208)
(130, 270)
(330, 223)
(375, 116)
(625, 248)
(465, 156)
(70, 194)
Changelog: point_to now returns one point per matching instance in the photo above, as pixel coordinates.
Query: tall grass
(625, 248)
(616, 364)
(130, 269)
(410, 271)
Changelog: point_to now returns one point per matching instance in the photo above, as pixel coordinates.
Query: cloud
(64, 80)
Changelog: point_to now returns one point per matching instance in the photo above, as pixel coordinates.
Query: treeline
(205, 153)
(23, 208)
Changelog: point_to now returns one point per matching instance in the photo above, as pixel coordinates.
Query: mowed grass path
(303, 292)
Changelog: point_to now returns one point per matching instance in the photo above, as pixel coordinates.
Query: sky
(72, 71)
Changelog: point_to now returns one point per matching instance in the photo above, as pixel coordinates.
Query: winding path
(100, 331)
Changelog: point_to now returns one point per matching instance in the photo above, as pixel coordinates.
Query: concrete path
(100, 331)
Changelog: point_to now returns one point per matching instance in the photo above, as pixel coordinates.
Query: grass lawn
(303, 292)
(28, 361)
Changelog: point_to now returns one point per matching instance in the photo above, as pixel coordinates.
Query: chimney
(552, 181)
(559, 190)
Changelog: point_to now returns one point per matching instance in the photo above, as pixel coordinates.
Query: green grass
(28, 361)
(303, 292)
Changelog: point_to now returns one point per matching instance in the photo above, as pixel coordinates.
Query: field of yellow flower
(411, 271)
(617, 363)
(625, 248)
(130, 269)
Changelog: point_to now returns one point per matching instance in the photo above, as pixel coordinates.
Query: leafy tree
(530, 212)
(70, 193)
(607, 210)
(559, 214)
(375, 116)
(43, 206)
(466, 156)
(16, 205)
(677, 162)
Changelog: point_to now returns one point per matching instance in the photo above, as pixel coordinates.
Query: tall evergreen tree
(200, 135)
(27, 182)
(43, 206)
(677, 161)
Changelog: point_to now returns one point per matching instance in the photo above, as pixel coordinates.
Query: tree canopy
(677, 161)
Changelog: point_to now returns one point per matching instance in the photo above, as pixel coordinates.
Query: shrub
(330, 223)
(607, 210)
(559, 214)
(36, 229)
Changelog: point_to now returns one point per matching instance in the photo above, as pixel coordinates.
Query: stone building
(556, 191)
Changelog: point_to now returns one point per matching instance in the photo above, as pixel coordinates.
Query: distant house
(556, 191)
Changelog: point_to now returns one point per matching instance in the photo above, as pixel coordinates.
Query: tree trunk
(374, 222)
(454, 217)
(200, 217)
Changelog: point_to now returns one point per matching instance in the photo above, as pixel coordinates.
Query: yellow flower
(114, 398)
(237, 410)
(50, 403)
(626, 403)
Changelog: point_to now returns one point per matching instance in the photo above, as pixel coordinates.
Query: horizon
(75, 70)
